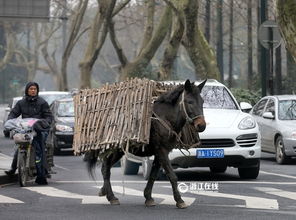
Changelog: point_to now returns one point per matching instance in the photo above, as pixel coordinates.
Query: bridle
(168, 126)
(182, 105)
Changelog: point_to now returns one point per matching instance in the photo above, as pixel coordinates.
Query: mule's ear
(201, 85)
(188, 86)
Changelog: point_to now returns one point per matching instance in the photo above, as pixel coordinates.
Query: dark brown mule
(171, 111)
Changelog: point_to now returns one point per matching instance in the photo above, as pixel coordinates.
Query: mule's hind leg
(106, 172)
(166, 164)
(148, 189)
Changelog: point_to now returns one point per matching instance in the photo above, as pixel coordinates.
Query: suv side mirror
(268, 115)
(246, 107)
(7, 109)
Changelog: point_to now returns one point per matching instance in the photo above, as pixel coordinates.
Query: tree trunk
(196, 45)
(208, 21)
(220, 52)
(286, 17)
(291, 74)
(73, 37)
(278, 71)
(10, 47)
(98, 33)
(171, 51)
(137, 67)
(149, 26)
(230, 77)
(250, 46)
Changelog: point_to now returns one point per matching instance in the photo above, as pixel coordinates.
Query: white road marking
(5, 156)
(167, 182)
(251, 201)
(277, 174)
(5, 199)
(54, 192)
(63, 168)
(166, 199)
(278, 192)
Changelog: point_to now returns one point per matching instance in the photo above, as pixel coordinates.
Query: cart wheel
(22, 170)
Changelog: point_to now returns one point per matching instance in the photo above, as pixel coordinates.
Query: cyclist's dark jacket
(31, 106)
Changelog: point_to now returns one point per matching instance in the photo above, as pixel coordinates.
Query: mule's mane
(172, 96)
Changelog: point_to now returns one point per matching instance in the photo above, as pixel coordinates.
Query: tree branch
(119, 51)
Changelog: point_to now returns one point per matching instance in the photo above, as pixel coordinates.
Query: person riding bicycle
(33, 106)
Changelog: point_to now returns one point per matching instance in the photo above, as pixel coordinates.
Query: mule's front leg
(166, 164)
(148, 189)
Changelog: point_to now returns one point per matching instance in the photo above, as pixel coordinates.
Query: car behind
(62, 128)
(276, 117)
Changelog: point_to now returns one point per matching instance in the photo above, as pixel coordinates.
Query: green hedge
(245, 95)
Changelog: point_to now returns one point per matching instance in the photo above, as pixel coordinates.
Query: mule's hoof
(114, 202)
(150, 203)
(102, 192)
(182, 205)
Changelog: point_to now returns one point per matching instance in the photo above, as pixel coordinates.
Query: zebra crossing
(268, 197)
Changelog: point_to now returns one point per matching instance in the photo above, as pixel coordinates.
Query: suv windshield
(66, 109)
(287, 110)
(217, 97)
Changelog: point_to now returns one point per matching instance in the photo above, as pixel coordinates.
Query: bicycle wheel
(22, 170)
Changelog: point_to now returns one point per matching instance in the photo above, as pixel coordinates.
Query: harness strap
(169, 128)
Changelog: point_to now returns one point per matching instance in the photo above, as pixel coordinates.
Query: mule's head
(192, 105)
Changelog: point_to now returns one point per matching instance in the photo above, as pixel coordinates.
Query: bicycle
(26, 157)
(22, 133)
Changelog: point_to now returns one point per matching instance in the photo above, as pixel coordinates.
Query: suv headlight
(63, 128)
(293, 135)
(247, 123)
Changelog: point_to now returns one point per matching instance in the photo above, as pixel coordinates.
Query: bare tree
(97, 36)
(74, 35)
(137, 66)
(10, 36)
(250, 45)
(286, 17)
(230, 75)
(219, 49)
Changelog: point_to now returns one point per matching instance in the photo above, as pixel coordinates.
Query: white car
(231, 138)
(276, 117)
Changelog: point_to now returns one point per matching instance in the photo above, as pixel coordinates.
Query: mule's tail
(91, 161)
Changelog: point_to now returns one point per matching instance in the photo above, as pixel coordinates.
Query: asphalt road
(72, 194)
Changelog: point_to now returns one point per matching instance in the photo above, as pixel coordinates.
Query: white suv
(231, 138)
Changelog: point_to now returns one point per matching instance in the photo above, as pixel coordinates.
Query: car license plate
(210, 153)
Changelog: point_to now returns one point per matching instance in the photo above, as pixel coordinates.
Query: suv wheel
(280, 156)
(129, 167)
(249, 172)
(218, 169)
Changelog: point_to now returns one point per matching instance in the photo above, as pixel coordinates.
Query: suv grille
(247, 140)
(217, 143)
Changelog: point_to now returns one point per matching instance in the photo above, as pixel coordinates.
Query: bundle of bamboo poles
(112, 115)
(117, 114)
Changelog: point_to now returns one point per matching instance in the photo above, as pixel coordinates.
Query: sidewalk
(5, 162)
